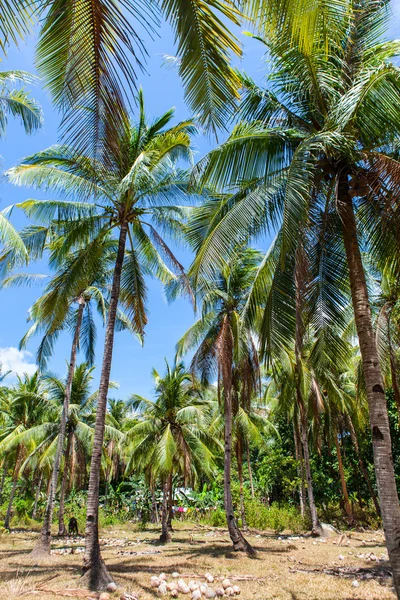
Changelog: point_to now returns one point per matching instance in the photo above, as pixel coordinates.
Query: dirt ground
(287, 567)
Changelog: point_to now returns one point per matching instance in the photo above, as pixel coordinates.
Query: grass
(286, 568)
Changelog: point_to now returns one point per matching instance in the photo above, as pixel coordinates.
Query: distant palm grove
(279, 407)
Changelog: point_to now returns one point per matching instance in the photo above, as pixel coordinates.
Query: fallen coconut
(174, 593)
(196, 595)
(236, 589)
(220, 591)
(203, 588)
(175, 574)
(104, 596)
(355, 583)
(209, 578)
(229, 591)
(112, 587)
(226, 584)
(155, 581)
(162, 576)
(210, 593)
(193, 585)
(162, 588)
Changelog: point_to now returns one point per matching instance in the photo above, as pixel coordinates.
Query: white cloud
(17, 361)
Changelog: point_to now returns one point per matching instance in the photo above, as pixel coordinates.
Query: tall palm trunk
(61, 511)
(362, 466)
(3, 477)
(13, 489)
(239, 458)
(154, 507)
(379, 421)
(300, 283)
(300, 468)
(165, 536)
(393, 368)
(170, 502)
(249, 470)
(38, 488)
(225, 351)
(347, 505)
(95, 571)
(42, 546)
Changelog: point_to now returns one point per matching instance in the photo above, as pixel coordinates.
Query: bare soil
(287, 567)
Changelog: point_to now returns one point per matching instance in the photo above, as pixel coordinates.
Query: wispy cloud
(17, 361)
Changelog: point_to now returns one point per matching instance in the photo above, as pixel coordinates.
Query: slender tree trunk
(61, 511)
(300, 468)
(154, 506)
(300, 283)
(170, 502)
(393, 368)
(43, 544)
(95, 570)
(347, 505)
(39, 487)
(13, 490)
(239, 458)
(362, 466)
(165, 536)
(379, 421)
(225, 351)
(250, 472)
(3, 477)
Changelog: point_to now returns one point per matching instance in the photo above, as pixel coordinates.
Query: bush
(275, 517)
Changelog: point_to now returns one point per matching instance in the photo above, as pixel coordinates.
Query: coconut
(155, 581)
(220, 591)
(104, 596)
(196, 595)
(236, 589)
(175, 574)
(172, 586)
(203, 588)
(210, 593)
(174, 593)
(209, 578)
(229, 591)
(162, 576)
(193, 585)
(111, 587)
(226, 584)
(162, 588)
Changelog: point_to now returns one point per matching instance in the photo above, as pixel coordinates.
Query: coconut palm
(322, 135)
(171, 433)
(28, 419)
(225, 348)
(133, 195)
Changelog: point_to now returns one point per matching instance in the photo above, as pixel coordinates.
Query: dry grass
(287, 569)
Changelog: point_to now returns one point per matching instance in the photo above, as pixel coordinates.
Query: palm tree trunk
(43, 544)
(239, 458)
(362, 466)
(39, 486)
(393, 369)
(13, 490)
(94, 568)
(379, 421)
(154, 507)
(300, 468)
(3, 477)
(61, 525)
(165, 536)
(300, 283)
(170, 502)
(347, 505)
(250, 473)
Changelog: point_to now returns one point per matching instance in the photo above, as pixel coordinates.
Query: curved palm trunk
(225, 351)
(379, 421)
(250, 473)
(42, 546)
(347, 505)
(300, 282)
(61, 511)
(95, 571)
(239, 459)
(39, 487)
(300, 468)
(165, 536)
(362, 466)
(13, 490)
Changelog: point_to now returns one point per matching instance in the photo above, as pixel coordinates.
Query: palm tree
(171, 433)
(226, 349)
(28, 420)
(136, 192)
(321, 134)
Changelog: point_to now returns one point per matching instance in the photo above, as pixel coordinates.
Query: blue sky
(132, 363)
